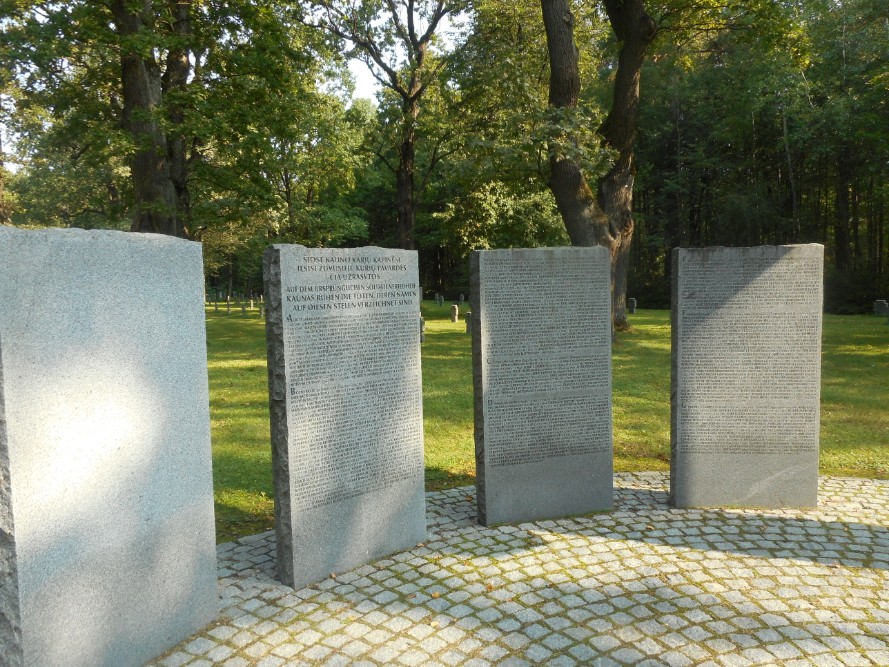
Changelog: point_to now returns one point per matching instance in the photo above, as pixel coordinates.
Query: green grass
(854, 400)
(640, 379)
(855, 396)
(447, 399)
(239, 425)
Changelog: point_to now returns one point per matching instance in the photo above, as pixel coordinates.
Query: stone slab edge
(274, 328)
(10, 614)
(674, 372)
(477, 386)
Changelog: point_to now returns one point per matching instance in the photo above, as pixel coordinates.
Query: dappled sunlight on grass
(641, 398)
(231, 361)
(239, 411)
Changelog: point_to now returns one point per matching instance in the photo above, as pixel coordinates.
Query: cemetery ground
(854, 414)
(643, 584)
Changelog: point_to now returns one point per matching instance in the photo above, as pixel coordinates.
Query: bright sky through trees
(365, 84)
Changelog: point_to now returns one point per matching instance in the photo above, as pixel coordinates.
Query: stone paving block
(734, 660)
(176, 659)
(237, 661)
(852, 659)
(879, 657)
(734, 624)
(675, 659)
(626, 656)
(219, 654)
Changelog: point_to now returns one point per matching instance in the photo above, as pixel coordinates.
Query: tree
(394, 39)
(773, 135)
(93, 69)
(6, 206)
(150, 85)
(157, 162)
(604, 218)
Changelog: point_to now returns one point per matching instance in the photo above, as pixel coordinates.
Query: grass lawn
(854, 405)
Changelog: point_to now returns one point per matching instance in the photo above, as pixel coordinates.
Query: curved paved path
(643, 584)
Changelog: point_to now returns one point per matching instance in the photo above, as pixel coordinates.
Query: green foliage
(501, 215)
(502, 75)
(58, 104)
(762, 122)
(771, 134)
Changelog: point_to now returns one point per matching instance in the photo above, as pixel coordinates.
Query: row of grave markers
(104, 424)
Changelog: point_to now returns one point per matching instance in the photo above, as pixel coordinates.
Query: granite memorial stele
(541, 348)
(107, 549)
(746, 328)
(343, 333)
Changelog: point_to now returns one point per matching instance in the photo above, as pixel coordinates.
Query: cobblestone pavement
(643, 584)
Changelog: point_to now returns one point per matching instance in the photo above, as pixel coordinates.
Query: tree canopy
(683, 124)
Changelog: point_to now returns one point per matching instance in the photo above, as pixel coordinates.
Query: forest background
(760, 122)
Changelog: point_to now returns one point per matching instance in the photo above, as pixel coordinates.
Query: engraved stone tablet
(346, 407)
(542, 379)
(746, 376)
(107, 549)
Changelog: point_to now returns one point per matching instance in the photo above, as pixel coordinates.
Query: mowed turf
(854, 405)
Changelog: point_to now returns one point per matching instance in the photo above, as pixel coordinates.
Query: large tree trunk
(155, 193)
(406, 192)
(5, 209)
(404, 178)
(635, 29)
(175, 79)
(586, 223)
(842, 258)
(607, 217)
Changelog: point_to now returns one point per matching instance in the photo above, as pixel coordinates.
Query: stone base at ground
(107, 549)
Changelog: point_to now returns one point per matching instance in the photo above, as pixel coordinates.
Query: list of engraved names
(351, 332)
(748, 366)
(545, 345)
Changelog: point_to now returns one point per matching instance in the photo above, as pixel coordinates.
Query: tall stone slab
(541, 348)
(346, 406)
(746, 376)
(107, 549)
